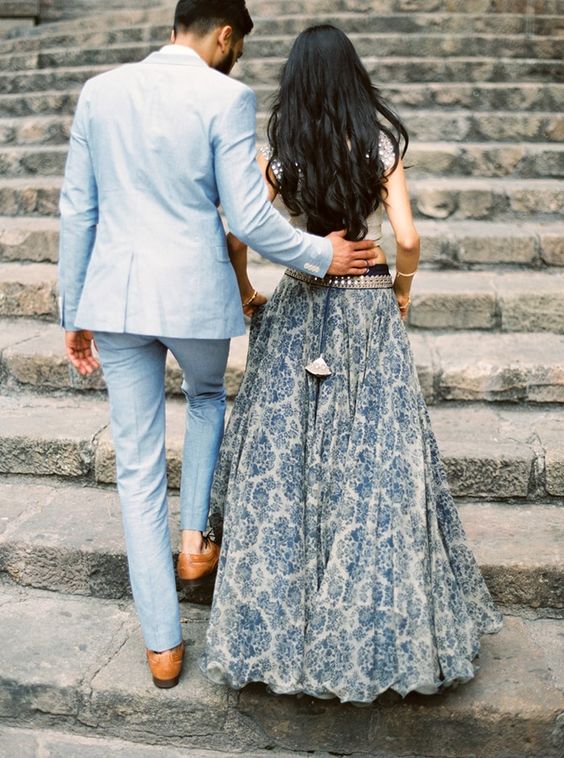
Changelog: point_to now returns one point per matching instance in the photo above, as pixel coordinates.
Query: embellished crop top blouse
(374, 221)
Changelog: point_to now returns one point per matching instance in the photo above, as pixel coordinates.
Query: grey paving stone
(511, 367)
(520, 551)
(267, 43)
(35, 239)
(67, 538)
(29, 239)
(425, 158)
(267, 71)
(58, 645)
(49, 436)
(499, 466)
(28, 290)
(443, 97)
(33, 743)
(104, 685)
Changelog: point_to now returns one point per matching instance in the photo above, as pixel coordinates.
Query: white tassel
(319, 368)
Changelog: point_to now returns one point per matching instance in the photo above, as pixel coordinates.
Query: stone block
(19, 8)
(497, 245)
(548, 200)
(56, 644)
(476, 204)
(533, 312)
(552, 248)
(519, 551)
(122, 687)
(28, 291)
(515, 368)
(485, 456)
(437, 204)
(552, 440)
(49, 436)
(440, 310)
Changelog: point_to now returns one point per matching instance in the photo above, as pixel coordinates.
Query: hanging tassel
(319, 368)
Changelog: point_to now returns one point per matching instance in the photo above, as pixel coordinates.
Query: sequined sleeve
(386, 151)
(275, 165)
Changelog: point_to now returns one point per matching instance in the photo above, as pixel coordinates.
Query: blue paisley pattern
(344, 569)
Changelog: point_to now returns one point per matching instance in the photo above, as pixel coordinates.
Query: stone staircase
(480, 86)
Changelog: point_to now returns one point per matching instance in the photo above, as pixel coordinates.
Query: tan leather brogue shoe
(199, 569)
(166, 667)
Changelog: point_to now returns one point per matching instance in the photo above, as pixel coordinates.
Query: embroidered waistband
(378, 277)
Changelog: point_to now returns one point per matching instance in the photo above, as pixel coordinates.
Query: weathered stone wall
(55, 10)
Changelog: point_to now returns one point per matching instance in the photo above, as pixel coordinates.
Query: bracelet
(251, 299)
(400, 273)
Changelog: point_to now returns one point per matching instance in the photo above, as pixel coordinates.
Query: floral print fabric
(344, 568)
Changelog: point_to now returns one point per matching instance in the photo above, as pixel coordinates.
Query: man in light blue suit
(155, 148)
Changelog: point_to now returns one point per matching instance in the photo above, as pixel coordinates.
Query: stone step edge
(288, 38)
(105, 685)
(451, 300)
(473, 372)
(490, 452)
(16, 740)
(70, 539)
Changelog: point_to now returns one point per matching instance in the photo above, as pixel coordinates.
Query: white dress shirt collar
(179, 50)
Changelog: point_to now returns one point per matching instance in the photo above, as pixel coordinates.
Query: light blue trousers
(134, 370)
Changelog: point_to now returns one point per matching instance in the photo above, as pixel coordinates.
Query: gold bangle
(251, 299)
(400, 273)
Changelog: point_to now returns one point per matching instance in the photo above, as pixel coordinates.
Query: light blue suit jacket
(155, 147)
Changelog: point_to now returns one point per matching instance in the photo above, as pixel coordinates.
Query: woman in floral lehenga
(344, 567)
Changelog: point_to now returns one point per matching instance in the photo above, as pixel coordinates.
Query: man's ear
(173, 36)
(225, 38)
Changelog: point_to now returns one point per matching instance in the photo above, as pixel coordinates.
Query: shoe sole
(166, 684)
(202, 582)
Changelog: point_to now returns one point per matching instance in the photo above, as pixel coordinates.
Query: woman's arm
(238, 255)
(398, 208)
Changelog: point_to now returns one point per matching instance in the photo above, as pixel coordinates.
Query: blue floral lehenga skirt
(344, 569)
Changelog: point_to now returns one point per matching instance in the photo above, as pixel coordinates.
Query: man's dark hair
(201, 16)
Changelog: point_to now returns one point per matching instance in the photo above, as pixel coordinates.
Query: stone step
(475, 199)
(31, 742)
(403, 69)
(520, 159)
(79, 663)
(461, 366)
(66, 538)
(33, 160)
(29, 239)
(412, 23)
(266, 46)
(456, 198)
(464, 245)
(273, 8)
(31, 196)
(508, 301)
(482, 128)
(490, 452)
(267, 71)
(485, 96)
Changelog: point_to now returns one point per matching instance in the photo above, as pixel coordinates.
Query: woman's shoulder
(386, 151)
(276, 166)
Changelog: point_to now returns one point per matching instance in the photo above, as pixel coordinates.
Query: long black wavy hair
(324, 129)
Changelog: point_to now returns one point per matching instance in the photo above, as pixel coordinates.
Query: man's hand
(79, 352)
(351, 258)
